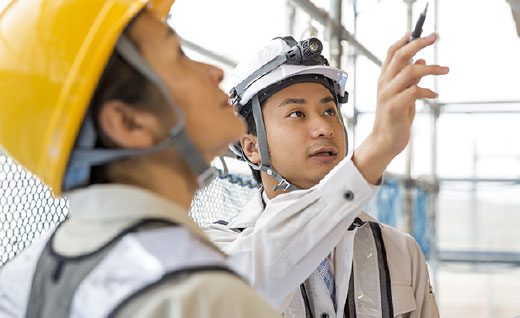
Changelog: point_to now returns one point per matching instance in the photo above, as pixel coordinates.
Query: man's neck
(268, 187)
(179, 188)
(176, 183)
(268, 184)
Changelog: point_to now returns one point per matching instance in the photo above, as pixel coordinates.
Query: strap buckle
(206, 177)
(283, 185)
(234, 97)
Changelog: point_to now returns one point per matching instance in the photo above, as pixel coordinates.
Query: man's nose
(321, 128)
(215, 74)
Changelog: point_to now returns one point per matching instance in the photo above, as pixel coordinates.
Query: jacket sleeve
(295, 232)
(204, 295)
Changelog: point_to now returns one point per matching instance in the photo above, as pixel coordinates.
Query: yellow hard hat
(52, 55)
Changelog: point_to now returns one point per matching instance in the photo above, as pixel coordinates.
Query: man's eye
(330, 112)
(296, 114)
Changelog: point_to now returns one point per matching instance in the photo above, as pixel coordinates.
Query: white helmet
(281, 63)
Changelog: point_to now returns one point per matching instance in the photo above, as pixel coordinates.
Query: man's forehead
(302, 91)
(147, 25)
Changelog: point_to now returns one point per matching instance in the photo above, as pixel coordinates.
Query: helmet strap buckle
(283, 185)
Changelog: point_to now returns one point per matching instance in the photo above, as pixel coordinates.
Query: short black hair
(121, 81)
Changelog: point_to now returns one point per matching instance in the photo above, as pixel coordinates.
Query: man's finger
(404, 102)
(412, 75)
(419, 62)
(393, 48)
(413, 93)
(405, 53)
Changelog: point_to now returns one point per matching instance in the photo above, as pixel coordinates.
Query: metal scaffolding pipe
(480, 102)
(325, 19)
(336, 49)
(425, 180)
(482, 180)
(500, 111)
(490, 257)
(373, 112)
(408, 204)
(465, 107)
(353, 49)
(212, 55)
(434, 251)
(448, 111)
(409, 15)
(291, 16)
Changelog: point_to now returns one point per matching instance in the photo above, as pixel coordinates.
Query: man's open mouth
(324, 155)
(323, 152)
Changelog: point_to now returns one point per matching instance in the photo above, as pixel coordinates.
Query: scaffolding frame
(337, 33)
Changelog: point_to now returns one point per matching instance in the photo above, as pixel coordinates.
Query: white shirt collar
(265, 198)
(250, 213)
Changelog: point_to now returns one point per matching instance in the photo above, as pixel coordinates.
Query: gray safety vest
(100, 283)
(369, 294)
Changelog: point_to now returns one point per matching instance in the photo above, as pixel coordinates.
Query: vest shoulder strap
(97, 283)
(372, 238)
(167, 278)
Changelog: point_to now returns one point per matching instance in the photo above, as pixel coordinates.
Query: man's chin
(323, 169)
(314, 179)
(312, 175)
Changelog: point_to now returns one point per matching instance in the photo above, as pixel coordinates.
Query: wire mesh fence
(223, 198)
(27, 208)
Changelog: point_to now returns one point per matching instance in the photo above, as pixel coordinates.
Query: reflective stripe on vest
(127, 266)
(369, 292)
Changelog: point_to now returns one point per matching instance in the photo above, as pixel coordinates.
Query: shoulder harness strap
(384, 275)
(57, 277)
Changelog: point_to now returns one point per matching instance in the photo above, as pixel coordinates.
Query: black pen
(418, 26)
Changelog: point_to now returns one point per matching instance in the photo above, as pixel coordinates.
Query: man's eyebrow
(326, 100)
(292, 101)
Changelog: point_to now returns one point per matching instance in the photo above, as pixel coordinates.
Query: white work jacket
(134, 278)
(278, 247)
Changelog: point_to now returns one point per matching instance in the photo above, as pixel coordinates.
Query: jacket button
(324, 315)
(349, 195)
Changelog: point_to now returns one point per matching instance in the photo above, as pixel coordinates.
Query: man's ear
(126, 126)
(250, 145)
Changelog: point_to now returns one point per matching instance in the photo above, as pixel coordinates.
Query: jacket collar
(249, 213)
(118, 206)
(365, 217)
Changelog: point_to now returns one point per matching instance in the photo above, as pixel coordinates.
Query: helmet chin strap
(86, 157)
(265, 165)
